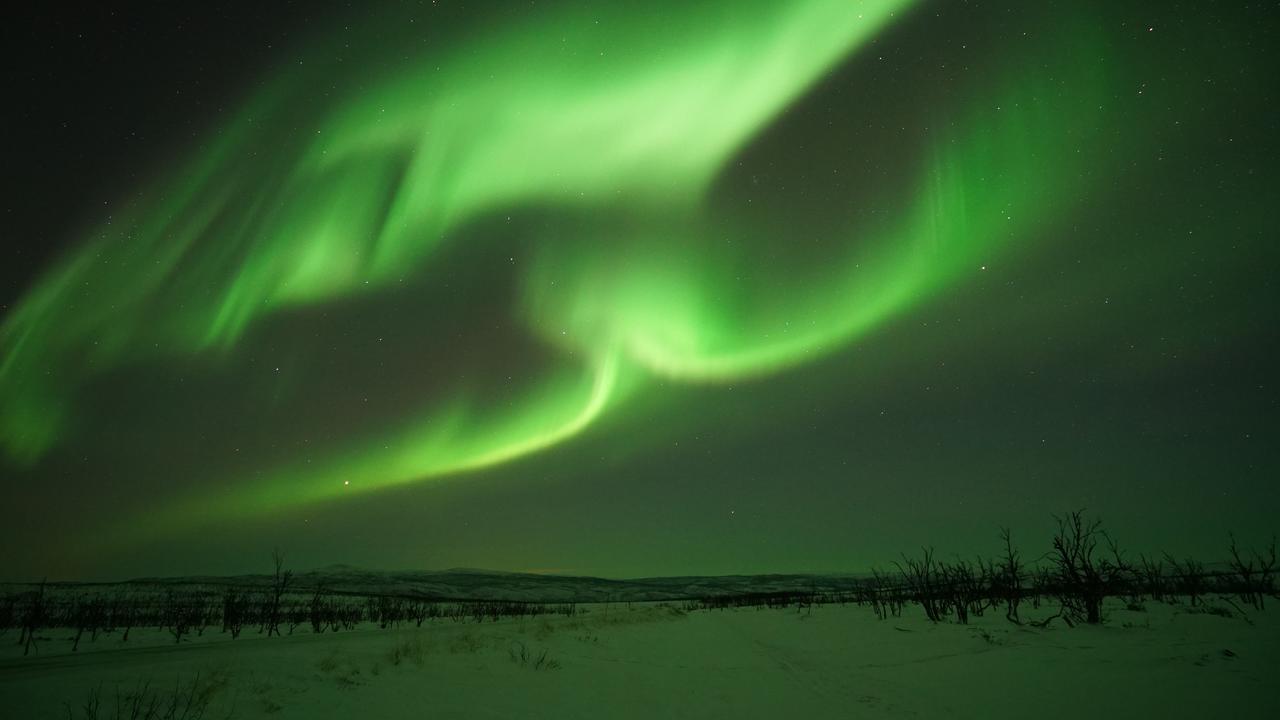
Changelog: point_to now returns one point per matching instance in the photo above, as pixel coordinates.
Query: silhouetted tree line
(800, 599)
(1083, 567)
(273, 610)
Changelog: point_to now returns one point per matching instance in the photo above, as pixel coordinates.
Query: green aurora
(596, 143)
(366, 195)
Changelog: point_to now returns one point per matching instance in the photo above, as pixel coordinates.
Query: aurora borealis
(648, 288)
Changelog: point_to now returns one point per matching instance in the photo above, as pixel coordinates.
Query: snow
(648, 660)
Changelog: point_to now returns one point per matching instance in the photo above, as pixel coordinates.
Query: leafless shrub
(1253, 572)
(408, 650)
(87, 614)
(520, 655)
(319, 611)
(962, 585)
(35, 614)
(922, 577)
(387, 611)
(1082, 576)
(235, 611)
(1151, 578)
(1008, 577)
(295, 614)
(420, 610)
(279, 585)
(183, 613)
(884, 595)
(1188, 578)
(545, 662)
(186, 701)
(124, 614)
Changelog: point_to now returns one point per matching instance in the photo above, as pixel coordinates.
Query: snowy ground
(655, 661)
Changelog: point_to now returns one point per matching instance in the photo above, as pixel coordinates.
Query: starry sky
(632, 289)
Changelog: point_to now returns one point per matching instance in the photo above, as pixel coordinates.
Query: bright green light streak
(452, 440)
(534, 115)
(619, 104)
(678, 309)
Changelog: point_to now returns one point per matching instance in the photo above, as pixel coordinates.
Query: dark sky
(632, 291)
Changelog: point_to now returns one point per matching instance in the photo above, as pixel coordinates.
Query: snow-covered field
(657, 661)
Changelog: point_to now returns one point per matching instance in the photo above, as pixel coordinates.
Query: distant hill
(473, 584)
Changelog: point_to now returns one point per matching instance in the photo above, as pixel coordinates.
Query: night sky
(629, 289)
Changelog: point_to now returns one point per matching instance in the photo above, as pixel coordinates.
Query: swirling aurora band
(623, 110)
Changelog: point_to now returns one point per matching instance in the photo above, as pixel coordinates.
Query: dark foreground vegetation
(278, 608)
(1082, 566)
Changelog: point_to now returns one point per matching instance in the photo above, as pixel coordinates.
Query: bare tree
(124, 614)
(181, 614)
(1254, 573)
(884, 594)
(186, 701)
(420, 610)
(1152, 580)
(279, 585)
(235, 610)
(1266, 569)
(1009, 576)
(319, 610)
(1082, 576)
(922, 579)
(88, 614)
(963, 587)
(34, 616)
(1188, 578)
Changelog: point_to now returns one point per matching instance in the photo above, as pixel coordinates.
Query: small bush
(520, 654)
(185, 701)
(414, 651)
